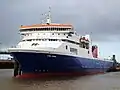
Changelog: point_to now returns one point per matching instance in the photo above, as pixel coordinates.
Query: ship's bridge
(47, 27)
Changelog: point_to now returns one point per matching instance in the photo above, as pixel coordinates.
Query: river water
(109, 81)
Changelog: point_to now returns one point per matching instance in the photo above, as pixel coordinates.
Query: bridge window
(23, 40)
(53, 39)
(84, 45)
(29, 40)
(33, 39)
(44, 39)
(66, 47)
(73, 50)
(87, 45)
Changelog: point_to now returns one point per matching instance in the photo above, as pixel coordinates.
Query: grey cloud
(99, 17)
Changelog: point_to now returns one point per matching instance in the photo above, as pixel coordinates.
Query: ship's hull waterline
(36, 64)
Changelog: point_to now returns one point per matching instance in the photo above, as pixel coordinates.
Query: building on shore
(5, 57)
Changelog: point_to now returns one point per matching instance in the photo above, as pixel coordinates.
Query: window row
(82, 45)
(46, 29)
(41, 40)
(30, 34)
(65, 40)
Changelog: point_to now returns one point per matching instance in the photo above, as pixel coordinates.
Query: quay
(116, 65)
(6, 64)
(6, 61)
(115, 68)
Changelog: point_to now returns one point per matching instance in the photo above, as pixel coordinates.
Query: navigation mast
(49, 16)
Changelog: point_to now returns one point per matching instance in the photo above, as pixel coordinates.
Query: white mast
(49, 16)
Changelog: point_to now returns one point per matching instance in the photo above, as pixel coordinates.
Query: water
(109, 81)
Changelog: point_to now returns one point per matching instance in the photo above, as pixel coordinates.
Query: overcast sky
(100, 18)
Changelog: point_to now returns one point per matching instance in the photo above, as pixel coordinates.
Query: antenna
(43, 18)
(49, 16)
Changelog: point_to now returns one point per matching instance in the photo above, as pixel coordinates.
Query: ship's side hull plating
(54, 63)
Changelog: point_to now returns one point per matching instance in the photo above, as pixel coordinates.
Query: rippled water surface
(109, 81)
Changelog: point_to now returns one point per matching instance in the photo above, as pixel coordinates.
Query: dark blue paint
(34, 62)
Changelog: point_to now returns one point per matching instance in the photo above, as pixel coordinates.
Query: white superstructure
(54, 38)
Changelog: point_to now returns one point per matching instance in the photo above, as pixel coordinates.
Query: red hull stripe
(39, 75)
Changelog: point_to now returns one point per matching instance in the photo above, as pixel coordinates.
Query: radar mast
(49, 16)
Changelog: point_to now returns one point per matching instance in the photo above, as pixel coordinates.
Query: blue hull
(46, 63)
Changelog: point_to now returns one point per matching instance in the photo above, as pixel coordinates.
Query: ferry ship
(56, 49)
